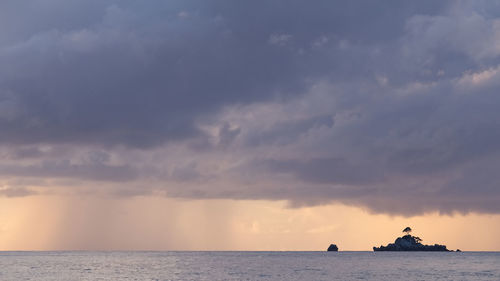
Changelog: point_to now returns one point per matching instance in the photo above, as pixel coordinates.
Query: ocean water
(249, 266)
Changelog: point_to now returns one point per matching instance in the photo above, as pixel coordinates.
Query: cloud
(279, 39)
(286, 131)
(326, 170)
(389, 106)
(64, 169)
(16, 192)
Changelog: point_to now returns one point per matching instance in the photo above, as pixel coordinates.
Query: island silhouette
(411, 243)
(333, 248)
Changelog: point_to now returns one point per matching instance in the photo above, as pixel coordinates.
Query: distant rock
(333, 248)
(458, 250)
(411, 243)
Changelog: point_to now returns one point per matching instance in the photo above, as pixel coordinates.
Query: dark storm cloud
(326, 170)
(287, 131)
(120, 72)
(388, 105)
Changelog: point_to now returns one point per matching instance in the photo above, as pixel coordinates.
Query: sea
(83, 265)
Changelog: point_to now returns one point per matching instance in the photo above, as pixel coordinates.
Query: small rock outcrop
(411, 243)
(333, 248)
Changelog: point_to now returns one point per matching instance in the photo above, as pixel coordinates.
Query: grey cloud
(115, 72)
(326, 170)
(227, 134)
(287, 131)
(16, 192)
(65, 169)
(186, 173)
(388, 105)
(26, 152)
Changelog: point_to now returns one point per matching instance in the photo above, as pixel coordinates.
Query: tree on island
(407, 230)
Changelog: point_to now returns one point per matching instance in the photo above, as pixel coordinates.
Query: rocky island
(410, 243)
(333, 248)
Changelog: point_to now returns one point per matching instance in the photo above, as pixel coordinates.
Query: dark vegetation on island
(411, 243)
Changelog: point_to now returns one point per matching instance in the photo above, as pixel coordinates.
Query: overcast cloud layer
(388, 105)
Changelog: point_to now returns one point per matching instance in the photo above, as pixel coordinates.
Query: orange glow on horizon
(154, 223)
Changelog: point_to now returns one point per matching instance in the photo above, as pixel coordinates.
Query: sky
(257, 125)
